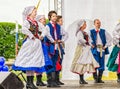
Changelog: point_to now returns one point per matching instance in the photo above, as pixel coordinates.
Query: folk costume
(30, 58)
(64, 36)
(83, 60)
(48, 62)
(114, 59)
(55, 51)
(100, 38)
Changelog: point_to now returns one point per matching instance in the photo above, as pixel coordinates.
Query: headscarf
(27, 11)
(79, 24)
(38, 17)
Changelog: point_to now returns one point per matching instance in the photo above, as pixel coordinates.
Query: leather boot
(39, 81)
(95, 77)
(30, 84)
(82, 81)
(58, 79)
(100, 77)
(118, 76)
(51, 80)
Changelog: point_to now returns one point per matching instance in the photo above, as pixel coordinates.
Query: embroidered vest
(34, 29)
(86, 37)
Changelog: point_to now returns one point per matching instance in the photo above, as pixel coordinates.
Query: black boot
(118, 75)
(58, 79)
(95, 77)
(51, 80)
(100, 77)
(39, 81)
(82, 81)
(30, 84)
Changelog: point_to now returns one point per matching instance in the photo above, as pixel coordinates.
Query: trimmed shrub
(7, 39)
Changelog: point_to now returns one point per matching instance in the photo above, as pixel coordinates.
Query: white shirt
(64, 34)
(45, 32)
(108, 39)
(98, 41)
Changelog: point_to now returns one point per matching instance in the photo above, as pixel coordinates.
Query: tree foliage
(7, 39)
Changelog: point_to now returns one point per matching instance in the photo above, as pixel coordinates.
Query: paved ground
(91, 85)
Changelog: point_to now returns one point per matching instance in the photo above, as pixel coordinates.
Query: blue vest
(93, 35)
(59, 37)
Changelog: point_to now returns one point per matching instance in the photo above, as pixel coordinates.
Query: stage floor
(72, 84)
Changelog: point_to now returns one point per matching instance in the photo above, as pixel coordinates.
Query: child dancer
(55, 50)
(101, 40)
(83, 59)
(64, 35)
(30, 58)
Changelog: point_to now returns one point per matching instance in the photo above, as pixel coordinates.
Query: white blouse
(80, 39)
(116, 35)
(25, 29)
(45, 32)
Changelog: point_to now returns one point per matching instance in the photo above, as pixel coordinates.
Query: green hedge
(7, 39)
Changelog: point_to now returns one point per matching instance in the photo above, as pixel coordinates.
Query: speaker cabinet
(10, 80)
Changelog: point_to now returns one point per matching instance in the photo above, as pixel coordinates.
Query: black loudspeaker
(10, 80)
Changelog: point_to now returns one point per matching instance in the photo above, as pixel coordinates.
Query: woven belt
(100, 48)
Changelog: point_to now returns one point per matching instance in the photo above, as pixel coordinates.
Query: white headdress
(79, 24)
(75, 26)
(27, 11)
(38, 17)
(72, 29)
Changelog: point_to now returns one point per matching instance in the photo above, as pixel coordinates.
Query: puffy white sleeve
(80, 38)
(25, 29)
(40, 28)
(116, 37)
(64, 34)
(43, 30)
(47, 31)
(108, 39)
(89, 38)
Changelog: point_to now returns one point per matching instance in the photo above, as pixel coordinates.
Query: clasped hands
(104, 47)
(58, 41)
